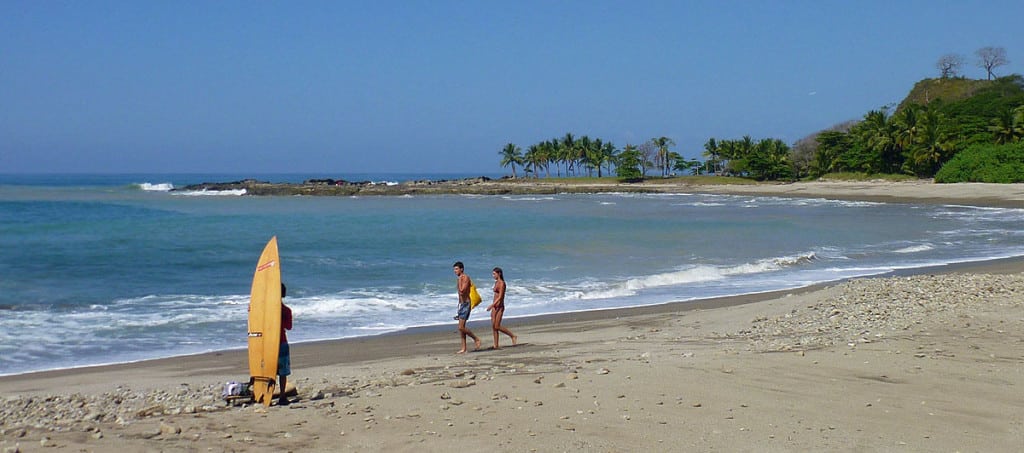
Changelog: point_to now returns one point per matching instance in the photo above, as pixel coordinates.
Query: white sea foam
(915, 248)
(159, 187)
(702, 204)
(202, 193)
(691, 275)
(529, 198)
(382, 327)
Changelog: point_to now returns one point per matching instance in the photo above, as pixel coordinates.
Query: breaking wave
(158, 187)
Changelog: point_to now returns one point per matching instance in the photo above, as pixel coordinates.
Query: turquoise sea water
(114, 268)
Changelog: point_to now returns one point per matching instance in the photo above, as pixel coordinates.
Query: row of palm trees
(915, 140)
(577, 155)
(765, 159)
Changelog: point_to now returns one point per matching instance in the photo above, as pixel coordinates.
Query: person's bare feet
(514, 340)
(496, 347)
(477, 343)
(461, 351)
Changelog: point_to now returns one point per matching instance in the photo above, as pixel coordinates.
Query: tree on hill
(949, 65)
(1009, 126)
(990, 58)
(878, 135)
(933, 145)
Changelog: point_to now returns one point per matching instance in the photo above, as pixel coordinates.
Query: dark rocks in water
(233, 185)
(327, 182)
(336, 187)
(335, 182)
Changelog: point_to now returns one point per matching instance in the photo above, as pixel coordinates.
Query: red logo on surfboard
(266, 266)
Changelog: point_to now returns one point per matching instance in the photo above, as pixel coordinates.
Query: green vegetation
(511, 155)
(942, 89)
(947, 121)
(590, 156)
(767, 159)
(985, 163)
(629, 165)
(918, 139)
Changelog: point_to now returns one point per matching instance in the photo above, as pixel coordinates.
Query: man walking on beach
(464, 305)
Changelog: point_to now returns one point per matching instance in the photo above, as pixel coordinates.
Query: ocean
(100, 269)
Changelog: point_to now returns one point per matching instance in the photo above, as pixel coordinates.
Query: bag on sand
(236, 389)
(474, 297)
(231, 389)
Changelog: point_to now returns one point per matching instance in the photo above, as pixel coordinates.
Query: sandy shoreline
(921, 192)
(933, 361)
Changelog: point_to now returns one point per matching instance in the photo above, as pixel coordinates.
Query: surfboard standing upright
(265, 323)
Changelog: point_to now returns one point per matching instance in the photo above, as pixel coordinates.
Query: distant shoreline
(973, 194)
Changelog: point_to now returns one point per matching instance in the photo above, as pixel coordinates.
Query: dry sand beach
(925, 362)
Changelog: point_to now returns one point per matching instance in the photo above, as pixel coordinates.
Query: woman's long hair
(501, 275)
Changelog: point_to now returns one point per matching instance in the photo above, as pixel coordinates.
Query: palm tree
(1008, 127)
(531, 159)
(727, 149)
(831, 146)
(609, 155)
(934, 145)
(593, 156)
(711, 151)
(663, 159)
(568, 151)
(878, 133)
(511, 155)
(549, 153)
(581, 153)
(746, 146)
(770, 160)
(907, 123)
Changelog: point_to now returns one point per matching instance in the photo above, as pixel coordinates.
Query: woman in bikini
(497, 308)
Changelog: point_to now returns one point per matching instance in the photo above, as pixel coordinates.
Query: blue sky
(338, 87)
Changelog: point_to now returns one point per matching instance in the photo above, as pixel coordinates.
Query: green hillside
(948, 90)
(937, 120)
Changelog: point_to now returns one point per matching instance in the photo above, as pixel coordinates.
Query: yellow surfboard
(265, 323)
